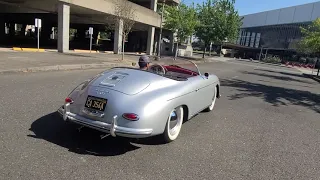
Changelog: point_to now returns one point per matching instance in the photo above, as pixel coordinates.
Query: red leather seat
(180, 70)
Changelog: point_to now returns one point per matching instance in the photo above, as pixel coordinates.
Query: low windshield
(186, 64)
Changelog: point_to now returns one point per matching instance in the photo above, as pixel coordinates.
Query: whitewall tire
(174, 124)
(213, 102)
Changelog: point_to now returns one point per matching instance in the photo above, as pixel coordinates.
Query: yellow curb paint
(16, 49)
(32, 50)
(84, 51)
(109, 52)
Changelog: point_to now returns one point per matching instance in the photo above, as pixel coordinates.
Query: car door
(204, 91)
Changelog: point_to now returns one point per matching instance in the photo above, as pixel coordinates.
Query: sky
(245, 7)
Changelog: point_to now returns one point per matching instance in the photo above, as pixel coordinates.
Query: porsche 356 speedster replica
(134, 103)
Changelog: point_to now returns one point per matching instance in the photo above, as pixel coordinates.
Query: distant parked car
(129, 102)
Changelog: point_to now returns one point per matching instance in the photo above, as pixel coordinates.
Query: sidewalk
(13, 61)
(34, 61)
(301, 69)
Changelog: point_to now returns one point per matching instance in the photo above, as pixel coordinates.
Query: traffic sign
(38, 23)
(90, 30)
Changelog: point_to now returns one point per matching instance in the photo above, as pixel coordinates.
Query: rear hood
(122, 82)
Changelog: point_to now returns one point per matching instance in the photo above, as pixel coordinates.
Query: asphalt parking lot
(265, 126)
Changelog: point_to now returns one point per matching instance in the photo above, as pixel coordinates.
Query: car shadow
(52, 128)
(155, 140)
(275, 95)
(261, 62)
(278, 77)
(158, 140)
(299, 75)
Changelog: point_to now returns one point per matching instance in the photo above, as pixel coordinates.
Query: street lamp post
(160, 34)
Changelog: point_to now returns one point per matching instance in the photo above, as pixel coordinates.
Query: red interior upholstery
(181, 70)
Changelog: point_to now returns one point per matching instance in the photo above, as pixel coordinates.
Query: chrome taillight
(130, 116)
(68, 100)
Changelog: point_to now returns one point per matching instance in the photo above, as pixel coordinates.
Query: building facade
(277, 29)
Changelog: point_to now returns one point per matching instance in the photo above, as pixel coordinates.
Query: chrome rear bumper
(112, 128)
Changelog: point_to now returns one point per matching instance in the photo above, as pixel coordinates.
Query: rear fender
(167, 110)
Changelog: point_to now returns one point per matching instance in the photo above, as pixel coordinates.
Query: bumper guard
(112, 128)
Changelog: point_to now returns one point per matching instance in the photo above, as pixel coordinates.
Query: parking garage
(65, 25)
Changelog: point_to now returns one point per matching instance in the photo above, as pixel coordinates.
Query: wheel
(173, 125)
(210, 108)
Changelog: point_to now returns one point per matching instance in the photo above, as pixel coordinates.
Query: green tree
(218, 22)
(310, 42)
(181, 19)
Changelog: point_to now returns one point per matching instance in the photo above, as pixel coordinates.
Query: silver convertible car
(134, 103)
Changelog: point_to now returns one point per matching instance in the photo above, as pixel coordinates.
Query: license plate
(96, 103)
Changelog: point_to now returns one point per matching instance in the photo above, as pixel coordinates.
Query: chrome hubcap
(174, 122)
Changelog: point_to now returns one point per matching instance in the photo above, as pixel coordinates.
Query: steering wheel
(157, 68)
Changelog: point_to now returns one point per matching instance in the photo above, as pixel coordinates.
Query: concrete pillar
(63, 27)
(117, 45)
(151, 30)
(153, 5)
(150, 41)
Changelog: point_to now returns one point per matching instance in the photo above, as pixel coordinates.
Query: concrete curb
(92, 51)
(260, 62)
(85, 51)
(66, 67)
(70, 51)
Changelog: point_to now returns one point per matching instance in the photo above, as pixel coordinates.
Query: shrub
(275, 60)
